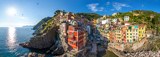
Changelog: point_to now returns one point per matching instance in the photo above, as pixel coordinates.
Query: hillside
(41, 22)
(150, 18)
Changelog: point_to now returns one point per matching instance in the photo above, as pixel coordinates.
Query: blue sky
(29, 12)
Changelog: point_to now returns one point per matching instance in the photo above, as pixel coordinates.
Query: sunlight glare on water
(11, 40)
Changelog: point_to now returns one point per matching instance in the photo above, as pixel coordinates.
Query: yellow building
(132, 33)
(142, 31)
(128, 34)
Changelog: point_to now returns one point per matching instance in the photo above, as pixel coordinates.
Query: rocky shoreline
(48, 41)
(144, 54)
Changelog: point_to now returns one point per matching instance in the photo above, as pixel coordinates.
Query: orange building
(76, 37)
(124, 34)
(112, 37)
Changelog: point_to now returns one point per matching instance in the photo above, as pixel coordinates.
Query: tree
(89, 16)
(58, 12)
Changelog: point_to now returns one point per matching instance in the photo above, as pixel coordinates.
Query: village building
(126, 34)
(76, 38)
(123, 32)
(142, 31)
(118, 35)
(132, 33)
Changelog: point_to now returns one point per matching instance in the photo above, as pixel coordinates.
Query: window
(134, 40)
(130, 40)
(127, 40)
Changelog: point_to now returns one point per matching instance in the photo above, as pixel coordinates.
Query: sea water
(10, 37)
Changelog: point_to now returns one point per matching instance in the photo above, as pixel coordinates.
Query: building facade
(127, 34)
(142, 31)
(132, 33)
(76, 37)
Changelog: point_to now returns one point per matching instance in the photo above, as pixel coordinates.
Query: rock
(143, 54)
(48, 39)
(24, 44)
(42, 42)
(63, 35)
(41, 55)
(58, 51)
(32, 54)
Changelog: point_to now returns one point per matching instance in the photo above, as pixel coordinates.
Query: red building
(112, 37)
(124, 34)
(76, 37)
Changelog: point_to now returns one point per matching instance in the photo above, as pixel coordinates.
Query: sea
(10, 37)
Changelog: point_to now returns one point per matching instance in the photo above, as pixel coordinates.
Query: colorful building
(118, 34)
(123, 32)
(142, 31)
(127, 34)
(132, 33)
(76, 37)
(115, 31)
(112, 37)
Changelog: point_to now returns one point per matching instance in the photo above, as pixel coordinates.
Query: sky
(30, 12)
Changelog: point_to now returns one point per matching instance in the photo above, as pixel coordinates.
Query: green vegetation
(41, 22)
(58, 12)
(46, 26)
(155, 45)
(89, 16)
(47, 23)
(150, 18)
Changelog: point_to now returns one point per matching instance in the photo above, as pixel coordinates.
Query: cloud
(107, 3)
(118, 6)
(94, 7)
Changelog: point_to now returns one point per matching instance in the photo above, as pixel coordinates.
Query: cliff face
(44, 41)
(47, 37)
(41, 22)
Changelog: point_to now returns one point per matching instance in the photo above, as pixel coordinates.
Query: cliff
(41, 22)
(46, 36)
